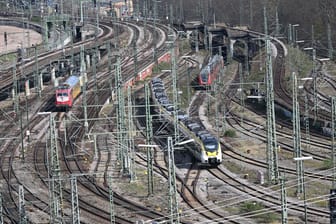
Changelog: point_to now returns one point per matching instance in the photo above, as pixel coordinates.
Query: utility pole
(208, 100)
(315, 85)
(197, 41)
(145, 13)
(94, 70)
(272, 146)
(84, 82)
(330, 46)
(137, 9)
(333, 140)
(131, 134)
(189, 84)
(175, 91)
(54, 172)
(223, 100)
(218, 92)
(246, 53)
(314, 75)
(307, 122)
(22, 208)
(229, 51)
(97, 24)
(277, 25)
(38, 80)
(199, 9)
(313, 36)
(332, 202)
(149, 138)
(109, 58)
(21, 136)
(173, 203)
(181, 13)
(241, 88)
(95, 147)
(46, 35)
(122, 141)
(240, 13)
(167, 14)
(1, 210)
(290, 40)
(74, 201)
(251, 13)
(218, 96)
(206, 46)
(297, 137)
(14, 91)
(284, 210)
(154, 34)
(112, 212)
(135, 59)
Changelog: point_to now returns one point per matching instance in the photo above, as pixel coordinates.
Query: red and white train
(209, 73)
(68, 91)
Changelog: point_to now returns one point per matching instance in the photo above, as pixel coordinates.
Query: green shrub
(253, 206)
(230, 133)
(327, 164)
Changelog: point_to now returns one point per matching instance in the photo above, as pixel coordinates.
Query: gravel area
(17, 37)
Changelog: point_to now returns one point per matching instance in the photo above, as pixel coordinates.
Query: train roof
(213, 61)
(71, 81)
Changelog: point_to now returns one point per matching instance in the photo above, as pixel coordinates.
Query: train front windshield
(62, 94)
(205, 74)
(211, 145)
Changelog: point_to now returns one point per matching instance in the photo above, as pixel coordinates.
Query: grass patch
(184, 96)
(297, 61)
(184, 46)
(230, 133)
(136, 188)
(161, 66)
(327, 164)
(36, 19)
(8, 58)
(254, 207)
(233, 167)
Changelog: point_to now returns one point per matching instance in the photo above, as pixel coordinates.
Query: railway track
(284, 97)
(247, 159)
(45, 58)
(118, 199)
(74, 166)
(10, 177)
(186, 183)
(253, 191)
(99, 214)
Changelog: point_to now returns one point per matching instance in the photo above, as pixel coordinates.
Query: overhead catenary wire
(251, 198)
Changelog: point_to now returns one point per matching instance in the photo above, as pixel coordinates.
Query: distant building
(123, 8)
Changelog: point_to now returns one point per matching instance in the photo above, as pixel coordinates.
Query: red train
(209, 73)
(68, 91)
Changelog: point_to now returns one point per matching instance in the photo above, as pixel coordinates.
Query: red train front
(67, 92)
(63, 97)
(205, 79)
(209, 73)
